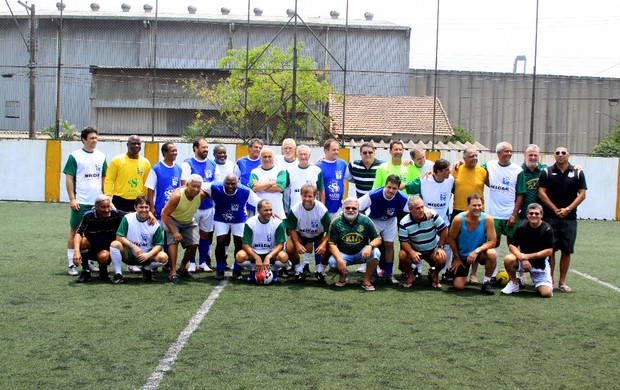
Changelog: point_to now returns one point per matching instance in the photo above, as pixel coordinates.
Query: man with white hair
(269, 182)
(287, 159)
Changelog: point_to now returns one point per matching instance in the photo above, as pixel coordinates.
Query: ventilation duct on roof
(61, 6)
(192, 10)
(225, 11)
(148, 8)
(125, 7)
(258, 11)
(290, 13)
(94, 7)
(334, 14)
(369, 15)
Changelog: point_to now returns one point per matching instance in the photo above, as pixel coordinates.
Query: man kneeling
(138, 243)
(530, 248)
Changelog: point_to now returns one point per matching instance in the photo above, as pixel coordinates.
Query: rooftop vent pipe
(125, 7)
(148, 8)
(94, 7)
(61, 6)
(290, 13)
(225, 11)
(258, 11)
(369, 15)
(334, 14)
(192, 10)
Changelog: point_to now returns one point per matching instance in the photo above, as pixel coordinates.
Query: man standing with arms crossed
(561, 189)
(85, 173)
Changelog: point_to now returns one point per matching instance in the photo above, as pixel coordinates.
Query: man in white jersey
(506, 182)
(269, 182)
(263, 243)
(308, 222)
(85, 172)
(223, 166)
(420, 164)
(287, 159)
(138, 243)
(436, 191)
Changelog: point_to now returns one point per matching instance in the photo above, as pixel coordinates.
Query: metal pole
(32, 111)
(534, 79)
(154, 72)
(294, 91)
(435, 79)
(62, 6)
(344, 83)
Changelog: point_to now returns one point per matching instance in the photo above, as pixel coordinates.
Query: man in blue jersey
(201, 165)
(335, 172)
(472, 240)
(385, 204)
(165, 177)
(230, 199)
(422, 237)
(245, 165)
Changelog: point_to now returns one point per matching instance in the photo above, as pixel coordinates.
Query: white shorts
(204, 219)
(222, 228)
(387, 229)
(540, 277)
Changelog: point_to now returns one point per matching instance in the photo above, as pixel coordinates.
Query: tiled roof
(387, 116)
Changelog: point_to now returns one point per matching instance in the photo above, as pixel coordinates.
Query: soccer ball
(264, 277)
(502, 278)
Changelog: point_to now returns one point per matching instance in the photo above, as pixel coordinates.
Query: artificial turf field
(58, 334)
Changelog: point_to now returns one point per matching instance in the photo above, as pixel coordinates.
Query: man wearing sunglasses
(363, 171)
(561, 188)
(530, 248)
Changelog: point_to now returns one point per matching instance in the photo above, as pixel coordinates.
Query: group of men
(262, 198)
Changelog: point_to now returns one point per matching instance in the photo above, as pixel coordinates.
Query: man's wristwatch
(568, 209)
(476, 251)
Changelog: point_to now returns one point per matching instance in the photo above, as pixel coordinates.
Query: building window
(11, 109)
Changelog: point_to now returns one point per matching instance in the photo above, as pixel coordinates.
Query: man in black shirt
(530, 248)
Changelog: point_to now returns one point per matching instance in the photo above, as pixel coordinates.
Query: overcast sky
(577, 38)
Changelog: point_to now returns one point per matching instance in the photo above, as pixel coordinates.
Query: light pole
(32, 75)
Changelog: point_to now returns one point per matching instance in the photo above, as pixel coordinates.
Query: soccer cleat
(203, 267)
(184, 273)
(147, 275)
(320, 277)
(447, 277)
(391, 280)
(251, 277)
(429, 275)
(174, 279)
(192, 267)
(220, 275)
(84, 277)
(117, 279)
(103, 273)
(166, 267)
(93, 266)
(72, 271)
(236, 275)
(134, 269)
(493, 281)
(510, 288)
(299, 277)
(361, 269)
(416, 274)
(487, 289)
(307, 270)
(521, 281)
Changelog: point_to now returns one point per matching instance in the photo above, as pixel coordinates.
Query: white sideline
(592, 278)
(166, 363)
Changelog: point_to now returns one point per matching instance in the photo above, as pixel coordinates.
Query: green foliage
(67, 131)
(609, 145)
(267, 74)
(460, 135)
(200, 128)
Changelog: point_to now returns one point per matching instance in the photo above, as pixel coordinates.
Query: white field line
(592, 278)
(166, 363)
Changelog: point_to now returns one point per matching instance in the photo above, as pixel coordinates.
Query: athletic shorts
(502, 228)
(223, 228)
(387, 229)
(354, 259)
(463, 271)
(564, 234)
(306, 240)
(426, 256)
(124, 204)
(204, 219)
(540, 277)
(189, 231)
(76, 216)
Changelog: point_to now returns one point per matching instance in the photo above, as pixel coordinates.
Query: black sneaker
(103, 273)
(84, 277)
(184, 273)
(447, 277)
(307, 270)
(320, 277)
(299, 277)
(390, 280)
(219, 275)
(493, 281)
(147, 275)
(521, 281)
(283, 273)
(117, 279)
(429, 275)
(236, 275)
(487, 289)
(416, 274)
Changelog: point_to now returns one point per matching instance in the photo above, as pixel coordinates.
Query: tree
(460, 135)
(609, 145)
(267, 74)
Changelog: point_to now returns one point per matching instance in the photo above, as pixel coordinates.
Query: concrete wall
(24, 173)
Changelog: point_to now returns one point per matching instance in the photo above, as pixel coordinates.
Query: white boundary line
(166, 363)
(592, 278)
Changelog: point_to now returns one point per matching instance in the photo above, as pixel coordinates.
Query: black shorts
(123, 204)
(305, 240)
(462, 272)
(564, 234)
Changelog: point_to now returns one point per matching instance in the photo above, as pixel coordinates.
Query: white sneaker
(134, 268)
(204, 267)
(192, 267)
(510, 288)
(72, 271)
(93, 266)
(361, 270)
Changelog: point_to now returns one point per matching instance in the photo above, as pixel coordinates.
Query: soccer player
(335, 172)
(308, 222)
(353, 239)
(287, 159)
(422, 237)
(304, 173)
(562, 188)
(385, 205)
(230, 199)
(472, 240)
(200, 164)
(85, 172)
(269, 182)
(180, 225)
(393, 167)
(246, 164)
(223, 166)
(420, 165)
(263, 243)
(531, 246)
(138, 243)
(363, 171)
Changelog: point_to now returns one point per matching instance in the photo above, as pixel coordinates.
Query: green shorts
(131, 258)
(502, 228)
(76, 216)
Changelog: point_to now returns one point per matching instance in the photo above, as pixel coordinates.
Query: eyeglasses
(367, 152)
(534, 213)
(350, 208)
(561, 152)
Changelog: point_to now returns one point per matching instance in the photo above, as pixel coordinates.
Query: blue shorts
(355, 259)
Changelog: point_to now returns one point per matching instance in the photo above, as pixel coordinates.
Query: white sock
(153, 265)
(70, 253)
(252, 266)
(448, 251)
(117, 260)
(277, 265)
(419, 267)
(245, 264)
(496, 270)
(299, 268)
(307, 258)
(487, 279)
(320, 268)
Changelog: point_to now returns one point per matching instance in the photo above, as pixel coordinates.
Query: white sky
(577, 38)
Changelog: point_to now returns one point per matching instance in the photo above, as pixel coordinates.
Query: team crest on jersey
(144, 237)
(228, 216)
(140, 171)
(443, 196)
(208, 174)
(390, 211)
(168, 192)
(334, 188)
(98, 167)
(314, 223)
(505, 181)
(175, 182)
(268, 237)
(360, 228)
(338, 175)
(234, 207)
(571, 174)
